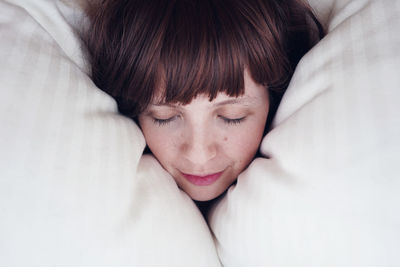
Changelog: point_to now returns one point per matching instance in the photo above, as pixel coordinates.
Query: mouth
(202, 180)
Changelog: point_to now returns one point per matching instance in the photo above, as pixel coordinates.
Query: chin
(203, 194)
(202, 197)
(206, 194)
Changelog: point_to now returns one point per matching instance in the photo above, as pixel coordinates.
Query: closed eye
(163, 122)
(232, 121)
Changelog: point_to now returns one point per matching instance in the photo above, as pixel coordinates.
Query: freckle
(225, 138)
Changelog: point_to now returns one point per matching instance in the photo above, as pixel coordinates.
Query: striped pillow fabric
(74, 190)
(327, 192)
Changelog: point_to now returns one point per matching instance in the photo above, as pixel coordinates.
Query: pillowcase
(327, 191)
(74, 190)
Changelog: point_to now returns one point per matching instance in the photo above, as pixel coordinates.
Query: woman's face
(206, 144)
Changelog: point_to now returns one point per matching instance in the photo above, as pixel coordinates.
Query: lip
(202, 180)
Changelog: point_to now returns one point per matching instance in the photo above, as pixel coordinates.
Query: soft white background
(329, 193)
(74, 190)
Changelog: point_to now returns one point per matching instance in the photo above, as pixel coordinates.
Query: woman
(202, 78)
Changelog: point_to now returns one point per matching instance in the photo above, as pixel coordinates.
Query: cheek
(242, 144)
(246, 145)
(160, 142)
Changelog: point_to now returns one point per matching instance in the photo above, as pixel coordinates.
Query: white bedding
(329, 193)
(75, 191)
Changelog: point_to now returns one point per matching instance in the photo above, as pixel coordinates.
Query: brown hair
(182, 48)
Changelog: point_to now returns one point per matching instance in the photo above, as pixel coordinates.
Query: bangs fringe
(202, 54)
(179, 49)
(208, 46)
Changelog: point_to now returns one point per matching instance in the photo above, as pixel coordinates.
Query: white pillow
(74, 190)
(329, 192)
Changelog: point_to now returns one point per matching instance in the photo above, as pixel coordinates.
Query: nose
(199, 146)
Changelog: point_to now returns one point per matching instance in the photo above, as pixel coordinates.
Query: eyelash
(232, 121)
(163, 122)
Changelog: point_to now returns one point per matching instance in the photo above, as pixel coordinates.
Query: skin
(207, 137)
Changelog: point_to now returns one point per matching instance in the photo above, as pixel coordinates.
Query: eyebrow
(247, 101)
(162, 104)
(243, 101)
